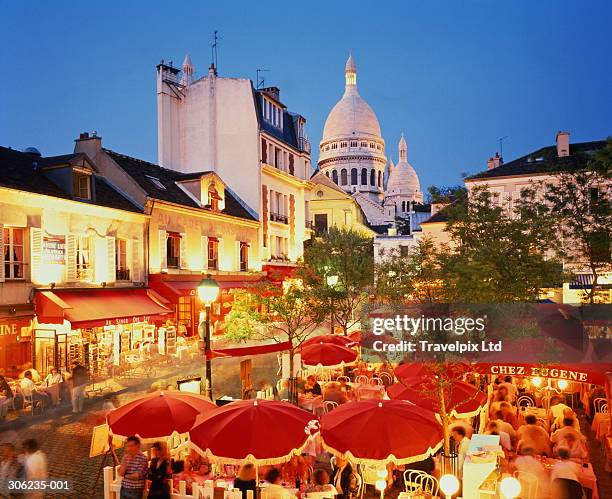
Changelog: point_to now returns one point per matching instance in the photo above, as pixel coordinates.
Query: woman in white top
(52, 382)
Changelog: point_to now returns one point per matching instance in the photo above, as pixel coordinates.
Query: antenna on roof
(501, 145)
(260, 80)
(213, 50)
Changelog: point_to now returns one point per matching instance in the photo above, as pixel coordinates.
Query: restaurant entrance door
(50, 349)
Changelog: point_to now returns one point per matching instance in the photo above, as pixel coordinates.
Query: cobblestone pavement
(66, 438)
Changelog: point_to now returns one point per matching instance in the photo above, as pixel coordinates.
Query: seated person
(246, 479)
(274, 490)
(333, 393)
(510, 387)
(556, 408)
(497, 398)
(284, 393)
(296, 468)
(28, 388)
(504, 425)
(508, 414)
(345, 479)
(504, 438)
(320, 483)
(566, 429)
(531, 435)
(53, 378)
(196, 464)
(567, 413)
(312, 386)
(576, 448)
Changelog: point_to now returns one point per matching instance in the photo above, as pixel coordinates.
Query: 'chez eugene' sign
(544, 372)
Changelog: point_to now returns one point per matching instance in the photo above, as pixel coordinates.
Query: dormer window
(213, 198)
(81, 185)
(272, 112)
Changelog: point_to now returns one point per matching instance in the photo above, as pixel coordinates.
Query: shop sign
(545, 372)
(12, 328)
(54, 250)
(127, 320)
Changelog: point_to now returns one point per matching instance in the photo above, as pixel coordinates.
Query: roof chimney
(494, 161)
(563, 145)
(89, 144)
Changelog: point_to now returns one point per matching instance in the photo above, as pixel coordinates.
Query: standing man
(133, 470)
(462, 444)
(79, 382)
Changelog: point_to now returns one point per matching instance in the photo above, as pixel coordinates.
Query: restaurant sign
(538, 371)
(127, 320)
(54, 250)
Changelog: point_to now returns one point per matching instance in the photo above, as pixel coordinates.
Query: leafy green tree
(446, 194)
(347, 254)
(579, 203)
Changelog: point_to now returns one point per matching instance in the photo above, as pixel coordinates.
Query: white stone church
(352, 154)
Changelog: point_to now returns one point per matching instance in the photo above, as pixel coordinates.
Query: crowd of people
(26, 463)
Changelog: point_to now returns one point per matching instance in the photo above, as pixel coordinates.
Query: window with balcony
(81, 185)
(122, 273)
(13, 253)
(173, 250)
(213, 253)
(83, 257)
(244, 257)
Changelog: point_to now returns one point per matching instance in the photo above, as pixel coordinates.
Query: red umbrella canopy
(259, 431)
(336, 339)
(368, 340)
(417, 373)
(355, 336)
(462, 400)
(159, 414)
(327, 355)
(376, 432)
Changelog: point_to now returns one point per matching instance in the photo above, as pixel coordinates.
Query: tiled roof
(19, 170)
(288, 134)
(544, 160)
(147, 175)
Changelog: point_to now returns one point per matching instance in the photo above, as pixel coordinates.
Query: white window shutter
(136, 261)
(163, 262)
(220, 254)
(1, 253)
(36, 243)
(71, 258)
(111, 259)
(237, 256)
(183, 251)
(92, 274)
(204, 246)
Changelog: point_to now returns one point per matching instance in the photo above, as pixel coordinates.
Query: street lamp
(332, 280)
(208, 291)
(510, 487)
(449, 485)
(381, 482)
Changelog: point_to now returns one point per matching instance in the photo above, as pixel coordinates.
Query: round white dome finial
(403, 147)
(350, 71)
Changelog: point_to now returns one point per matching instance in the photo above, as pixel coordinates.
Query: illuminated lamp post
(208, 292)
(449, 485)
(332, 280)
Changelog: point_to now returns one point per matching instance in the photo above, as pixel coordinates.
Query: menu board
(54, 250)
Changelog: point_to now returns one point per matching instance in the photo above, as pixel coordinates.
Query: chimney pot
(563, 144)
(84, 135)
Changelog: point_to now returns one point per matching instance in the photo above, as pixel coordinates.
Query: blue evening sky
(453, 76)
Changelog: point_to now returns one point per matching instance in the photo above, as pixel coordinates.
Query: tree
(289, 315)
(579, 203)
(415, 277)
(499, 253)
(348, 254)
(446, 194)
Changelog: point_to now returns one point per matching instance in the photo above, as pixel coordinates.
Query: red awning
(252, 350)
(594, 373)
(172, 290)
(100, 307)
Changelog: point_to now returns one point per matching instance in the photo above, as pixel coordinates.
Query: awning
(174, 289)
(594, 373)
(251, 350)
(585, 281)
(100, 307)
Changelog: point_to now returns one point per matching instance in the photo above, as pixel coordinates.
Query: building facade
(246, 136)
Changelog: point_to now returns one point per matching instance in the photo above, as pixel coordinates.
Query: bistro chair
(386, 378)
(346, 379)
(324, 376)
(529, 484)
(525, 401)
(29, 400)
(369, 476)
(362, 379)
(604, 408)
(329, 406)
(599, 404)
(375, 380)
(428, 484)
(412, 480)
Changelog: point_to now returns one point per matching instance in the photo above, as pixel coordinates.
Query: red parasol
(376, 432)
(158, 415)
(462, 400)
(258, 431)
(327, 355)
(368, 340)
(343, 341)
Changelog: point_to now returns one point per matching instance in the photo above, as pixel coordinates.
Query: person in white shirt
(53, 381)
(28, 389)
(462, 444)
(35, 465)
(274, 490)
(556, 408)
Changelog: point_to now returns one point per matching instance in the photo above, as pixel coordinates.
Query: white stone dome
(403, 178)
(351, 116)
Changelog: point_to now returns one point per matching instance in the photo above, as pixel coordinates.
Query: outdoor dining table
(310, 403)
(587, 477)
(601, 425)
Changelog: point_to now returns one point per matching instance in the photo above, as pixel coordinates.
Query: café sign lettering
(54, 250)
(127, 320)
(8, 329)
(545, 372)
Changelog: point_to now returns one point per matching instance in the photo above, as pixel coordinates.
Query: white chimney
(563, 144)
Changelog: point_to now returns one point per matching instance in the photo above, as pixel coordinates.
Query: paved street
(65, 437)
